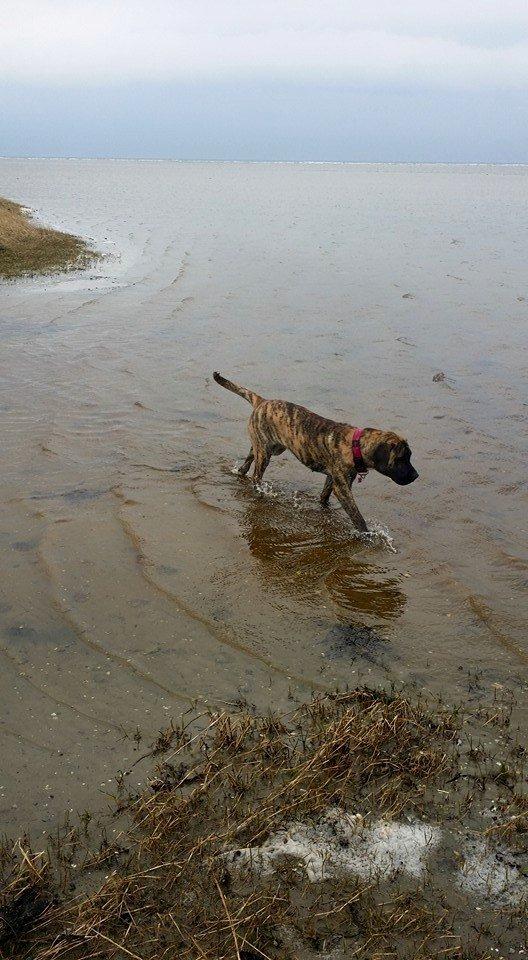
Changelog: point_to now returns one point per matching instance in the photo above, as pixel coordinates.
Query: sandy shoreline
(28, 249)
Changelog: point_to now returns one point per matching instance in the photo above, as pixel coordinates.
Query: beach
(139, 574)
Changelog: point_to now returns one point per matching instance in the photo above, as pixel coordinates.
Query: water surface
(138, 573)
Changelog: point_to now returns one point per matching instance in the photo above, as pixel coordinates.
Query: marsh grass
(27, 248)
(163, 888)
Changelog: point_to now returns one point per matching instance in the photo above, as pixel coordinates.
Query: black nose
(414, 475)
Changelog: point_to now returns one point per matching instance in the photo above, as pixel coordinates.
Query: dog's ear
(380, 455)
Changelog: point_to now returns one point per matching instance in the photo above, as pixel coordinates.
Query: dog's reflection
(314, 560)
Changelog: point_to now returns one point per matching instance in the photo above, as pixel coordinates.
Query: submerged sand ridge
(138, 573)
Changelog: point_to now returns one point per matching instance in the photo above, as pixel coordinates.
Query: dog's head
(391, 456)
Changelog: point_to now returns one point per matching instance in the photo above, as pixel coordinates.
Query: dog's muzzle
(410, 477)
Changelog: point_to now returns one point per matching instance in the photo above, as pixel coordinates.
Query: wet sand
(138, 573)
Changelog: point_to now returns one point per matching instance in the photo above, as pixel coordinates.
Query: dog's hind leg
(262, 459)
(343, 494)
(326, 492)
(262, 449)
(246, 465)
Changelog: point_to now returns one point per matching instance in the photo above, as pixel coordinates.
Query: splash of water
(297, 500)
(266, 489)
(377, 535)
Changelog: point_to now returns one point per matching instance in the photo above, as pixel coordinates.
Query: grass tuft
(28, 249)
(174, 887)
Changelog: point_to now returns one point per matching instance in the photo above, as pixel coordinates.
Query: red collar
(359, 464)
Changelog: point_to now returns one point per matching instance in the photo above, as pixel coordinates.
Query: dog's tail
(252, 398)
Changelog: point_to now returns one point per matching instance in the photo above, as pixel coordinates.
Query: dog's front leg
(343, 494)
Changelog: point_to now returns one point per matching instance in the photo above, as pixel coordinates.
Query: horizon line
(423, 163)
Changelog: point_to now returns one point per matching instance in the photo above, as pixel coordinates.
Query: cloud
(422, 44)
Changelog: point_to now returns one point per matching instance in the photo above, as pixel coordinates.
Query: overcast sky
(262, 79)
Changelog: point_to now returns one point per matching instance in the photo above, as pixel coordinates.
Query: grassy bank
(27, 249)
(364, 825)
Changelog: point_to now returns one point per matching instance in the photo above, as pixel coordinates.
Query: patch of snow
(339, 844)
(491, 874)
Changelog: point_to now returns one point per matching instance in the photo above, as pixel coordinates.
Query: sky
(378, 80)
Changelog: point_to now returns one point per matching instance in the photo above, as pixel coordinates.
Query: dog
(338, 450)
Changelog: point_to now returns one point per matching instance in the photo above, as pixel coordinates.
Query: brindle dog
(322, 445)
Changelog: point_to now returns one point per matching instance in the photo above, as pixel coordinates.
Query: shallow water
(138, 573)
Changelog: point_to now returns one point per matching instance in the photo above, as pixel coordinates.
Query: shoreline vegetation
(28, 249)
(367, 824)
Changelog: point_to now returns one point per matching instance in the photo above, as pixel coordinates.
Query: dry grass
(170, 893)
(26, 248)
